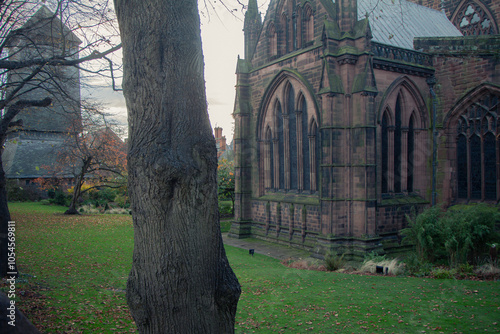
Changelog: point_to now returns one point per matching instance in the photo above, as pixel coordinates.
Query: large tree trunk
(180, 281)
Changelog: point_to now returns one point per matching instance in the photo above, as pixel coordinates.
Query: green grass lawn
(74, 271)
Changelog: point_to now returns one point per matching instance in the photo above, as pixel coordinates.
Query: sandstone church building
(352, 114)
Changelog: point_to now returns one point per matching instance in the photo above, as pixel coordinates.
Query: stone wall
(461, 65)
(288, 222)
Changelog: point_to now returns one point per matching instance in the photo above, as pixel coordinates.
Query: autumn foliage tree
(225, 180)
(31, 66)
(94, 154)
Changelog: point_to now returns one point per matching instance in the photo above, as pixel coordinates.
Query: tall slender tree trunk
(78, 187)
(180, 281)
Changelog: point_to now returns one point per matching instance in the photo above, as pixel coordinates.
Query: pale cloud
(222, 38)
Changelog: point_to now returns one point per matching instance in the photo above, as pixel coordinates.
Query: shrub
(441, 273)
(488, 271)
(60, 198)
(374, 256)
(115, 211)
(334, 262)
(415, 267)
(472, 229)
(425, 233)
(304, 264)
(17, 193)
(457, 236)
(100, 197)
(45, 202)
(466, 268)
(122, 201)
(225, 208)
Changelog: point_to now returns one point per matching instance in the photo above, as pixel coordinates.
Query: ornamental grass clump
(394, 266)
(334, 262)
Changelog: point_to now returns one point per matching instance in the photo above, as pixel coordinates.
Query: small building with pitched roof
(33, 148)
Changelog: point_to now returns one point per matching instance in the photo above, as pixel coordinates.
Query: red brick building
(220, 141)
(349, 115)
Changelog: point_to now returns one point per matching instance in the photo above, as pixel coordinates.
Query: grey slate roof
(398, 22)
(26, 153)
(48, 24)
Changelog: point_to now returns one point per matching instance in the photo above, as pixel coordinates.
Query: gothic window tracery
(292, 134)
(273, 40)
(290, 143)
(284, 38)
(269, 163)
(280, 160)
(411, 155)
(308, 26)
(397, 146)
(294, 27)
(477, 149)
(385, 153)
(473, 19)
(401, 140)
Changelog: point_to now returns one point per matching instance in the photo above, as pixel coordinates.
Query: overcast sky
(222, 37)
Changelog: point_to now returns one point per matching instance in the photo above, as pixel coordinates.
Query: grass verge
(74, 270)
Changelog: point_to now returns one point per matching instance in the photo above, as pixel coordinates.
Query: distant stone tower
(220, 141)
(252, 28)
(44, 129)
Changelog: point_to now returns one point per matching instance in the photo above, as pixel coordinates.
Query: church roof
(26, 155)
(47, 23)
(398, 22)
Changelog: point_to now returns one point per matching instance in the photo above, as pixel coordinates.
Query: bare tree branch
(56, 61)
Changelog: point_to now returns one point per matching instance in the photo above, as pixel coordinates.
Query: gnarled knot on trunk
(135, 302)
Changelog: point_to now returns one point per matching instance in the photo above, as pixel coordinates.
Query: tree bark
(5, 122)
(78, 188)
(180, 281)
(4, 220)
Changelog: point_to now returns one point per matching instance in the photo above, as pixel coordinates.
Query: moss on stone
(332, 80)
(290, 198)
(365, 81)
(404, 200)
(331, 30)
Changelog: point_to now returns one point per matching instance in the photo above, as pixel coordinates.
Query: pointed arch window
(308, 26)
(284, 38)
(401, 134)
(490, 178)
(306, 163)
(385, 153)
(314, 157)
(411, 154)
(289, 149)
(268, 160)
(475, 167)
(462, 166)
(280, 169)
(397, 146)
(292, 135)
(273, 40)
(477, 150)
